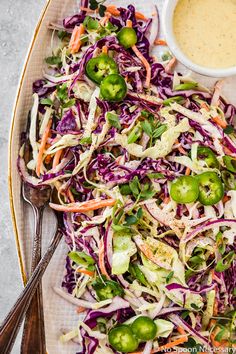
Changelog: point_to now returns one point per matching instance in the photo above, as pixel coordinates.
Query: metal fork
(33, 340)
(11, 325)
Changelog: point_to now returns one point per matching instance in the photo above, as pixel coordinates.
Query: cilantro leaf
(53, 60)
(135, 186)
(130, 220)
(139, 213)
(125, 189)
(87, 140)
(62, 34)
(113, 119)
(46, 102)
(147, 128)
(229, 129)
(69, 103)
(102, 10)
(62, 92)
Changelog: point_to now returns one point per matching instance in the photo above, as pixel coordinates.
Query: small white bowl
(167, 20)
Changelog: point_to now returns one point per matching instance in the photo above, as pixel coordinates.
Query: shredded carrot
(129, 24)
(180, 148)
(105, 19)
(146, 250)
(188, 171)
(215, 308)
(56, 158)
(104, 49)
(166, 200)
(75, 42)
(227, 150)
(80, 309)
(86, 272)
(168, 345)
(225, 199)
(205, 106)
(160, 42)
(141, 58)
(171, 344)
(83, 207)
(145, 63)
(42, 147)
(169, 67)
(101, 261)
(219, 122)
(181, 331)
(140, 16)
(70, 195)
(112, 9)
(48, 159)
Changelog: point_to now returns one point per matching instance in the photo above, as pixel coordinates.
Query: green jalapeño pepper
(184, 189)
(229, 180)
(211, 189)
(144, 328)
(230, 163)
(107, 289)
(127, 37)
(113, 88)
(98, 68)
(122, 339)
(206, 154)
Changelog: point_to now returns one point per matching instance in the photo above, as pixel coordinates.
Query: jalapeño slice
(184, 189)
(122, 339)
(127, 37)
(113, 88)
(211, 189)
(98, 68)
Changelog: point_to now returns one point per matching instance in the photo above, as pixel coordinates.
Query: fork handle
(11, 325)
(33, 339)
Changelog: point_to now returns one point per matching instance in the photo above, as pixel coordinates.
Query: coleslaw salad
(143, 161)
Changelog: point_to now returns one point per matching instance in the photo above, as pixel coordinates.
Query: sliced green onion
(134, 134)
(168, 101)
(186, 86)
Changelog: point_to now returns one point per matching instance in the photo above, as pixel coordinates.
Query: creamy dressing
(206, 31)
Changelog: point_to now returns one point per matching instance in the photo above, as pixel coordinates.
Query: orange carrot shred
(141, 58)
(70, 195)
(112, 9)
(219, 122)
(101, 261)
(129, 23)
(140, 16)
(225, 199)
(145, 63)
(227, 150)
(42, 147)
(48, 159)
(80, 309)
(86, 272)
(169, 67)
(75, 42)
(205, 106)
(56, 158)
(83, 207)
(105, 19)
(188, 171)
(160, 42)
(104, 49)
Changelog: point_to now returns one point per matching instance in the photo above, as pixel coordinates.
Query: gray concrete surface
(18, 19)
